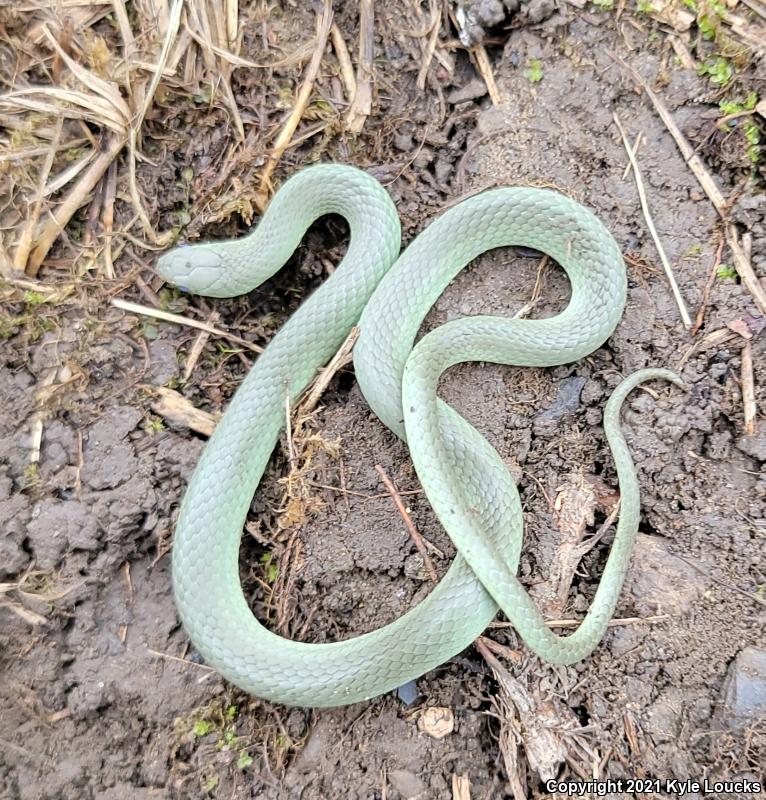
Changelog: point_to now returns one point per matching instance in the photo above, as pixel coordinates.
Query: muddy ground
(103, 698)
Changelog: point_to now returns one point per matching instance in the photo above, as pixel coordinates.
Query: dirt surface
(104, 698)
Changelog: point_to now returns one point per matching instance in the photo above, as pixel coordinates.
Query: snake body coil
(466, 482)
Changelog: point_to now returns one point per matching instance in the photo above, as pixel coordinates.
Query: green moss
(534, 71)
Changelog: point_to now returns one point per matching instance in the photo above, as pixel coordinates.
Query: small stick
(107, 220)
(650, 224)
(76, 197)
(700, 318)
(344, 60)
(636, 145)
(26, 240)
(682, 51)
(36, 426)
(484, 67)
(461, 787)
(181, 660)
(166, 316)
(416, 537)
(197, 347)
(527, 307)
(324, 21)
(708, 184)
(748, 389)
(173, 406)
(692, 159)
(339, 360)
(430, 49)
(361, 104)
(744, 268)
(574, 623)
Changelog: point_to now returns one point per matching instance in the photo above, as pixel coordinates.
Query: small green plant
(719, 71)
(749, 128)
(155, 426)
(753, 137)
(271, 567)
(604, 5)
(729, 107)
(244, 761)
(644, 7)
(34, 299)
(726, 272)
(202, 727)
(709, 17)
(534, 72)
(226, 740)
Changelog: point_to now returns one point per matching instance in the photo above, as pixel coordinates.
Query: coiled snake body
(469, 487)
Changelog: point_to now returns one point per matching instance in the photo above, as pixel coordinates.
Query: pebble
(659, 582)
(743, 696)
(437, 722)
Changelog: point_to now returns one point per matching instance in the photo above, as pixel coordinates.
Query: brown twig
(416, 537)
(173, 406)
(748, 389)
(483, 65)
(686, 319)
(744, 267)
(344, 60)
(708, 184)
(430, 49)
(574, 623)
(69, 205)
(338, 361)
(700, 318)
(166, 316)
(195, 351)
(107, 218)
(361, 104)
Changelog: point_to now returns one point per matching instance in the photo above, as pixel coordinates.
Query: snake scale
(471, 491)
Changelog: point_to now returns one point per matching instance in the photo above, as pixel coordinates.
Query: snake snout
(192, 268)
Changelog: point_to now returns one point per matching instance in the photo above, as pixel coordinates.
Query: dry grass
(78, 98)
(73, 113)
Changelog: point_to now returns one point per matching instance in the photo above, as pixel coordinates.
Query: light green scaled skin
(466, 482)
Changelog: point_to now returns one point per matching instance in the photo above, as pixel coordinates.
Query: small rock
(163, 364)
(659, 582)
(473, 90)
(407, 784)
(539, 10)
(408, 692)
(567, 399)
(566, 402)
(743, 697)
(663, 719)
(437, 722)
(754, 446)
(415, 568)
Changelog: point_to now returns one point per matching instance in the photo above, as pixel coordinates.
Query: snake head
(195, 268)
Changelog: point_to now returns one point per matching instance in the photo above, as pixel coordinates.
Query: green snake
(387, 294)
